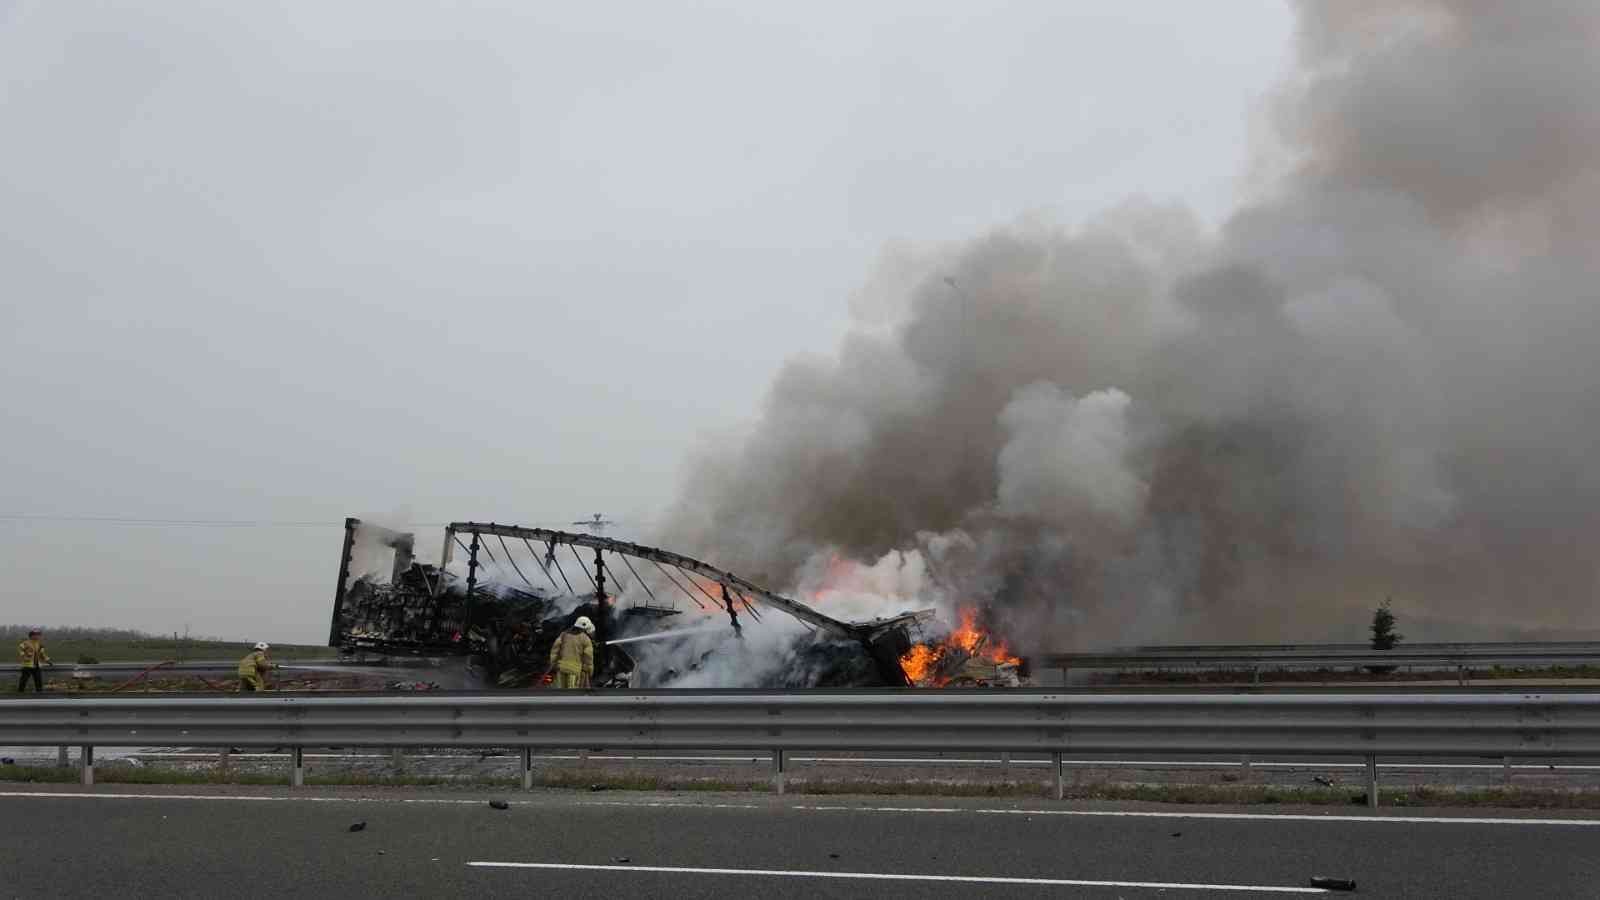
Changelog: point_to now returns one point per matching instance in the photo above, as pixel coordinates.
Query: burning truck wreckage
(500, 618)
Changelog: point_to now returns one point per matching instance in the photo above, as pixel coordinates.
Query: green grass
(115, 774)
(1565, 672)
(937, 788)
(38, 775)
(1472, 797)
(548, 778)
(66, 651)
(581, 779)
(588, 780)
(1354, 675)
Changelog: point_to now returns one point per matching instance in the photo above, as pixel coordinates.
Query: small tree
(1384, 637)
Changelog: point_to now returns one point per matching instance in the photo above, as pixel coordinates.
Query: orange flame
(918, 662)
(921, 662)
(967, 636)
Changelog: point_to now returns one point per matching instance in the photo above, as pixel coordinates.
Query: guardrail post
(297, 776)
(88, 764)
(1244, 767)
(1372, 781)
(1461, 676)
(1505, 762)
(398, 757)
(1061, 774)
(777, 771)
(527, 768)
(61, 757)
(1005, 760)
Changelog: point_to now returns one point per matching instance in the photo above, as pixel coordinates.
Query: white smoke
(1377, 379)
(1065, 459)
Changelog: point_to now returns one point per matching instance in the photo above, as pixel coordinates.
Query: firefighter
(572, 655)
(30, 653)
(253, 668)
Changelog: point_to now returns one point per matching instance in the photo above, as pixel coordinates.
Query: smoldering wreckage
(690, 625)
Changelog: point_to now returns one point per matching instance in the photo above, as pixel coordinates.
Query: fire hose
(145, 673)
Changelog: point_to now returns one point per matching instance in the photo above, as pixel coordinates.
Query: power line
(187, 523)
(147, 521)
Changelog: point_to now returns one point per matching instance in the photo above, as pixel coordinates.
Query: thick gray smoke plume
(1380, 378)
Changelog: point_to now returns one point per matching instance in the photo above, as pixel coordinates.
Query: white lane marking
(1125, 763)
(1185, 763)
(894, 876)
(1092, 813)
(244, 797)
(948, 810)
(1291, 817)
(463, 756)
(78, 795)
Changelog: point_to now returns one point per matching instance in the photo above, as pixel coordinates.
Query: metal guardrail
(1481, 647)
(1244, 656)
(1496, 726)
(1460, 660)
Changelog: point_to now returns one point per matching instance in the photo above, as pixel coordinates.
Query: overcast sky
(288, 262)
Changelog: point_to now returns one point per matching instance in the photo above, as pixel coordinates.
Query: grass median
(579, 779)
(68, 652)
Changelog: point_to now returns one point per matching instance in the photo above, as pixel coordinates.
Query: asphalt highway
(192, 842)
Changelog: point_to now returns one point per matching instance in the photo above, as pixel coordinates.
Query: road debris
(499, 804)
(359, 826)
(1333, 884)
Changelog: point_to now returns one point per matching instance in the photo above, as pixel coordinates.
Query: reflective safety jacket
(254, 664)
(31, 654)
(573, 653)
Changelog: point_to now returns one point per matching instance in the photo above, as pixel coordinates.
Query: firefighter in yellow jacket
(31, 655)
(572, 655)
(253, 668)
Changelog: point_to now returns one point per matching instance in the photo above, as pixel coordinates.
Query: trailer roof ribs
(862, 631)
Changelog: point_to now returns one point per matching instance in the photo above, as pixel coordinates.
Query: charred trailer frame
(404, 545)
(424, 609)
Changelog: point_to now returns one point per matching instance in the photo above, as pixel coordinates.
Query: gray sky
(288, 262)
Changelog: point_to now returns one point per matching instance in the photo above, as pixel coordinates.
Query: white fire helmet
(584, 623)
(261, 645)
